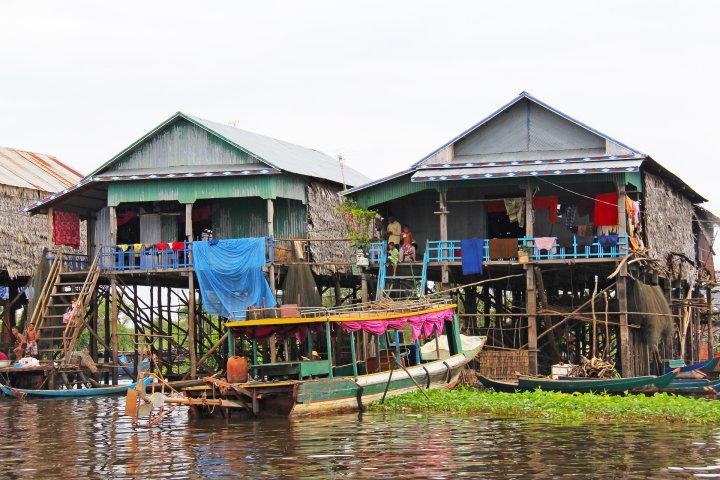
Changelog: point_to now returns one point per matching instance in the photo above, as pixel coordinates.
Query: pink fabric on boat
(423, 324)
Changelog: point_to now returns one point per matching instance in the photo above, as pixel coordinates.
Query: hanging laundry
(213, 242)
(515, 208)
(503, 248)
(608, 241)
(137, 247)
(496, 206)
(473, 251)
(162, 246)
(66, 229)
(569, 216)
(178, 246)
(549, 202)
(546, 243)
(542, 226)
(586, 206)
(123, 247)
(606, 210)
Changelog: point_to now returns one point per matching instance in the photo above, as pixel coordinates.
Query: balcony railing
(159, 256)
(71, 262)
(450, 250)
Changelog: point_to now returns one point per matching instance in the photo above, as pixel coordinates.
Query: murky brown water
(90, 439)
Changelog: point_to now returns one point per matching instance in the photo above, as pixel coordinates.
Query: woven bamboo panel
(502, 364)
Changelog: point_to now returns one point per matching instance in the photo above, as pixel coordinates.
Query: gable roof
(35, 171)
(273, 152)
(590, 152)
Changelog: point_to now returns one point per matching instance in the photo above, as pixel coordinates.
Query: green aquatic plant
(576, 407)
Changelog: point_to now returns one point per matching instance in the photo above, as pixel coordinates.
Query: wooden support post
(136, 330)
(338, 293)
(114, 343)
(531, 310)
(445, 278)
(191, 324)
(271, 232)
(627, 367)
(50, 220)
(529, 212)
(188, 222)
(710, 341)
(622, 215)
(94, 325)
(328, 342)
(113, 225)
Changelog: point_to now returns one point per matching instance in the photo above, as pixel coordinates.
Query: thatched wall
(22, 237)
(668, 226)
(324, 222)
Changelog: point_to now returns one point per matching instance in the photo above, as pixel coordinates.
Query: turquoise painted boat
(311, 385)
(68, 393)
(706, 367)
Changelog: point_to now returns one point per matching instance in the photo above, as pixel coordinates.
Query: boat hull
(66, 393)
(619, 385)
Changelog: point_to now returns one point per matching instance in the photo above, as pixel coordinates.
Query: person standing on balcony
(393, 230)
(392, 256)
(32, 338)
(19, 349)
(407, 250)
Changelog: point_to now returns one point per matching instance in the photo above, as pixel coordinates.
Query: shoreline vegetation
(578, 407)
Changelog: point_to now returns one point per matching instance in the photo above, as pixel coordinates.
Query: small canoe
(614, 385)
(68, 393)
(498, 386)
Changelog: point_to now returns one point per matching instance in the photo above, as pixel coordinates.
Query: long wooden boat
(499, 386)
(615, 385)
(705, 367)
(297, 386)
(69, 392)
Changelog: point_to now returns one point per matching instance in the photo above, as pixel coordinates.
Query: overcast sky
(383, 83)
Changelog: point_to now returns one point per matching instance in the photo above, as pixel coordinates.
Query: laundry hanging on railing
(230, 275)
(606, 210)
(66, 229)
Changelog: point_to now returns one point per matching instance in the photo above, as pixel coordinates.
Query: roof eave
(658, 169)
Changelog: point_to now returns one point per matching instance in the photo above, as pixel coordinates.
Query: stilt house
(529, 179)
(186, 180)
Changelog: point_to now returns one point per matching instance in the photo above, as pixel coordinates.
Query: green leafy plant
(358, 222)
(576, 407)
(526, 248)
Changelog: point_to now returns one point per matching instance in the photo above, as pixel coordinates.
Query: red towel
(551, 203)
(495, 207)
(162, 246)
(606, 210)
(66, 229)
(178, 246)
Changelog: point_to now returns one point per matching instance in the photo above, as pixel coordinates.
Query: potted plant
(524, 253)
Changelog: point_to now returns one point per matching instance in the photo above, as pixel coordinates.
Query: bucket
(237, 369)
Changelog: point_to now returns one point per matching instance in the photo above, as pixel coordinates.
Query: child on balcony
(393, 257)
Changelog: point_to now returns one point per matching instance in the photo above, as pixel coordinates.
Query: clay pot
(237, 369)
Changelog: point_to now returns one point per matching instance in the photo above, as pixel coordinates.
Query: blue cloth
(608, 241)
(473, 251)
(230, 275)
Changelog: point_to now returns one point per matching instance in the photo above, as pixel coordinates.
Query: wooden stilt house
(529, 180)
(186, 180)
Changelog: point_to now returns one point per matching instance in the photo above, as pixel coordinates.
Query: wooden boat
(68, 392)
(614, 385)
(705, 367)
(297, 386)
(499, 386)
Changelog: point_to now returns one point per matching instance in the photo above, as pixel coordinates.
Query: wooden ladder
(76, 323)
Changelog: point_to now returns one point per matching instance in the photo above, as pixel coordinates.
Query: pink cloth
(424, 324)
(546, 243)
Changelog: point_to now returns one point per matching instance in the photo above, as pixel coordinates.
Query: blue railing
(377, 251)
(71, 262)
(158, 256)
(450, 250)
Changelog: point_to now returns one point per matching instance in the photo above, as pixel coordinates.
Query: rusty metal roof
(36, 171)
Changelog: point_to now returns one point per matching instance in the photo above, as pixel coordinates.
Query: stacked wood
(594, 368)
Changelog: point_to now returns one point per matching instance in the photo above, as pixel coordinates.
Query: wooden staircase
(57, 339)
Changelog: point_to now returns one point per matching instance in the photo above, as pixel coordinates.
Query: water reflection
(90, 438)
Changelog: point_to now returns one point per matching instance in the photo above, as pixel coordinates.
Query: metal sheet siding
(190, 190)
(505, 133)
(397, 188)
(549, 131)
(290, 219)
(150, 229)
(182, 144)
(242, 218)
(102, 235)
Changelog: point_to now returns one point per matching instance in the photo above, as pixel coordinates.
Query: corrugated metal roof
(36, 171)
(275, 153)
(434, 175)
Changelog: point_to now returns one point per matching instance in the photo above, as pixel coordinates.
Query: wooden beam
(271, 232)
(50, 228)
(191, 324)
(113, 225)
(529, 212)
(188, 222)
(445, 277)
(625, 359)
(531, 309)
(115, 344)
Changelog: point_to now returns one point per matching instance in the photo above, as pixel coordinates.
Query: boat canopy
(422, 321)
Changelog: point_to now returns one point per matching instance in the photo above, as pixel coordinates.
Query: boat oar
(412, 378)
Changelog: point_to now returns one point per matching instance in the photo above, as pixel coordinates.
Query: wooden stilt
(627, 367)
(531, 309)
(114, 344)
(191, 324)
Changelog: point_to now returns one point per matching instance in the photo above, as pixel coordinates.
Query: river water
(90, 438)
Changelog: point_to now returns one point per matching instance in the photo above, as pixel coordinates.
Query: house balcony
(450, 252)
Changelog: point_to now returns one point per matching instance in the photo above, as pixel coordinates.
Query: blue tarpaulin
(472, 255)
(230, 275)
